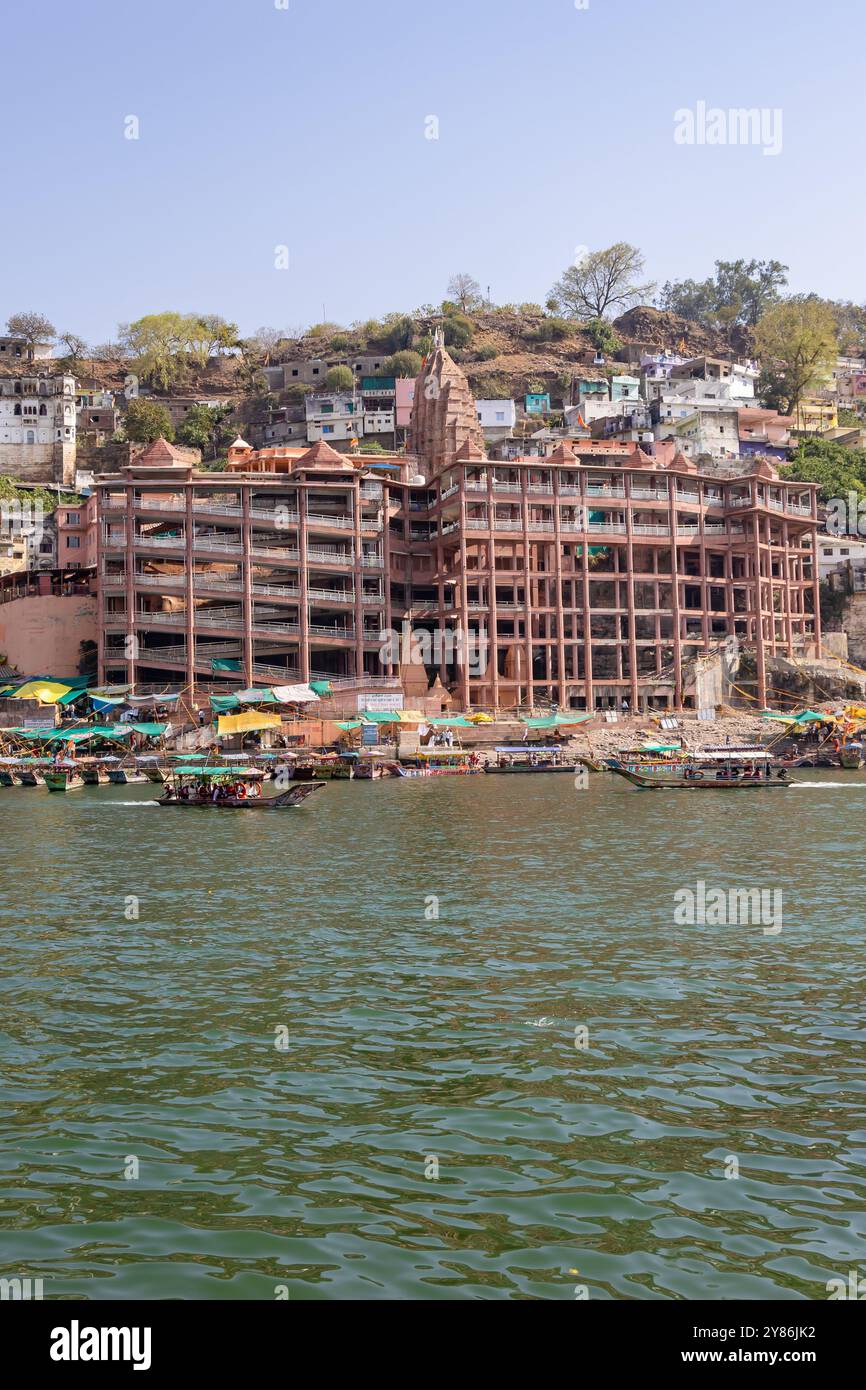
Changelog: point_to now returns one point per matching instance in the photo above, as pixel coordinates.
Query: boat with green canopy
(228, 788)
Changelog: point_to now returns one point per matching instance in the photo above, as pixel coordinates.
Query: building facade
(37, 428)
(597, 573)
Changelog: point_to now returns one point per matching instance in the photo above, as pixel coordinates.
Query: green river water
(288, 1044)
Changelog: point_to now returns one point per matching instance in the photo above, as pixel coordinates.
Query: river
(448, 1038)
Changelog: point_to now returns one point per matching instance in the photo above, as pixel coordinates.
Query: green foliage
(833, 603)
(340, 342)
(403, 363)
(32, 327)
(603, 337)
(44, 497)
(849, 418)
(399, 332)
(740, 292)
(551, 330)
(295, 393)
(458, 330)
(339, 379)
(206, 427)
(837, 469)
(796, 339)
(486, 354)
(371, 446)
(146, 421)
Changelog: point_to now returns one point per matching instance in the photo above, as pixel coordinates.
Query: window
(294, 371)
(500, 414)
(327, 429)
(31, 437)
(73, 542)
(73, 518)
(315, 371)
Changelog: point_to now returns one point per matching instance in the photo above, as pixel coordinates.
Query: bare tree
(76, 347)
(602, 280)
(465, 291)
(35, 329)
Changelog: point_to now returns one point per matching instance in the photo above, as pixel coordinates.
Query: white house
(37, 428)
(496, 418)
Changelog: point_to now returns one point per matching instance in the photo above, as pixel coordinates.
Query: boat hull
(63, 781)
(285, 802)
(672, 782)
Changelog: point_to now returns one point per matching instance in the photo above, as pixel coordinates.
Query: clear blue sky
(305, 127)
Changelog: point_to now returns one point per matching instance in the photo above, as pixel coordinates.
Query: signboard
(369, 735)
(382, 702)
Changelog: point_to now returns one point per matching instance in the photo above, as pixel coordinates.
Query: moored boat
(63, 778)
(439, 762)
(519, 758)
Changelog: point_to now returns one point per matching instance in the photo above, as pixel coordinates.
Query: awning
(246, 723)
(294, 694)
(46, 692)
(150, 730)
(380, 716)
(256, 697)
(224, 702)
(411, 716)
(225, 663)
(556, 721)
(347, 725)
(450, 721)
(321, 687)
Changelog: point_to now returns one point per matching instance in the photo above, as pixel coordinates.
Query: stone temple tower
(444, 417)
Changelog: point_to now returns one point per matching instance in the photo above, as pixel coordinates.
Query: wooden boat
(229, 789)
(63, 779)
(121, 775)
(851, 755)
(531, 758)
(153, 769)
(29, 772)
(706, 774)
(324, 767)
(439, 762)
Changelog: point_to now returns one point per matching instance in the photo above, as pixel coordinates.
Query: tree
(402, 364)
(339, 379)
(265, 342)
(208, 335)
(398, 332)
(602, 280)
(205, 427)
(35, 329)
(796, 340)
(740, 292)
(837, 469)
(465, 291)
(76, 348)
(457, 330)
(603, 337)
(157, 341)
(147, 421)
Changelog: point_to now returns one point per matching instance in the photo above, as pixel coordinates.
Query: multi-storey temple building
(595, 575)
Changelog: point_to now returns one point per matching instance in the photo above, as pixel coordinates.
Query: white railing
(688, 529)
(501, 524)
(345, 523)
(284, 519)
(277, 590)
(283, 629)
(687, 497)
(218, 581)
(475, 486)
(449, 492)
(143, 617)
(332, 595)
(377, 600)
(113, 581)
(649, 493)
(743, 501)
(114, 540)
(569, 489)
(113, 504)
(651, 529)
(540, 525)
(546, 489)
(151, 504)
(372, 561)
(604, 490)
(160, 542)
(161, 581)
(615, 527)
(320, 630)
(217, 543)
(505, 487)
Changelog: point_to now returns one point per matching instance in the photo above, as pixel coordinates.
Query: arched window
(31, 437)
(42, 409)
(17, 410)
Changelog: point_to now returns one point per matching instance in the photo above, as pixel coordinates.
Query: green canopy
(451, 721)
(556, 721)
(70, 697)
(810, 716)
(661, 747)
(321, 687)
(149, 730)
(380, 716)
(257, 697)
(349, 724)
(198, 771)
(226, 663)
(224, 702)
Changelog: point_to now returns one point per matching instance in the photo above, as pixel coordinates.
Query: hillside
(505, 352)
